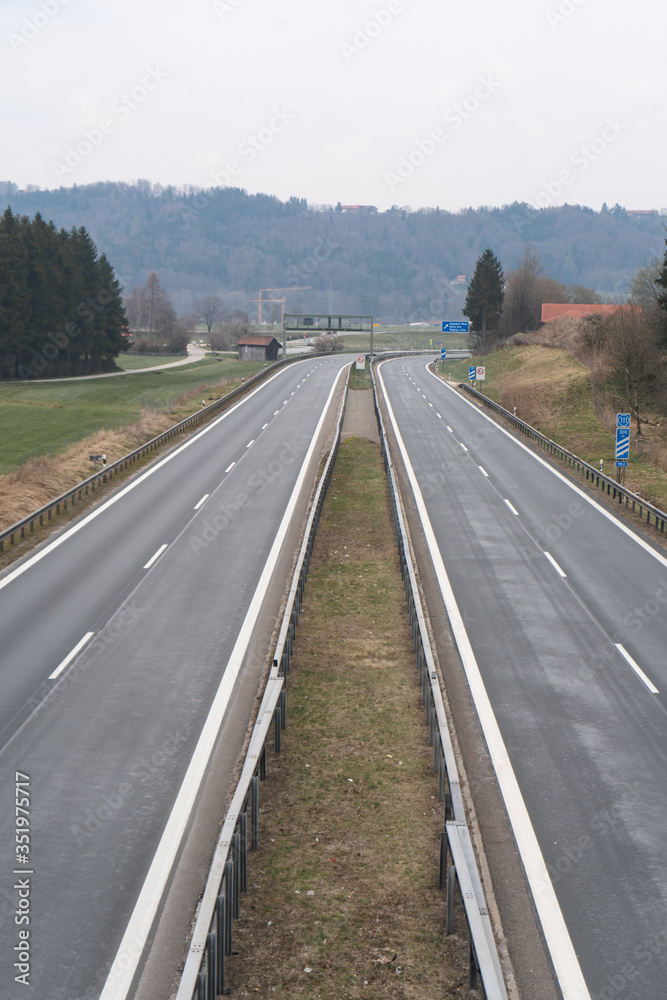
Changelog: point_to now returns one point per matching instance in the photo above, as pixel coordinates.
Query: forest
(61, 310)
(400, 265)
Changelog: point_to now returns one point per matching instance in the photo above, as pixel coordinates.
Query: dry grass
(342, 899)
(41, 479)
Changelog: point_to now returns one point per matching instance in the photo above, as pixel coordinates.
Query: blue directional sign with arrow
(455, 326)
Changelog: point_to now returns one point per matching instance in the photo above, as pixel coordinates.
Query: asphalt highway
(122, 642)
(563, 634)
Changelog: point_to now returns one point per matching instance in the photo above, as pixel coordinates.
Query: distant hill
(400, 266)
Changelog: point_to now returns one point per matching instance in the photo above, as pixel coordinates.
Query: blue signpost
(443, 353)
(472, 373)
(455, 326)
(622, 441)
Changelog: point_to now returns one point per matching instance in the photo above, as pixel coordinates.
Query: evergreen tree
(484, 301)
(61, 310)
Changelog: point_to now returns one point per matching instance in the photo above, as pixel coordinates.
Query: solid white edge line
(555, 564)
(483, 471)
(123, 969)
(38, 556)
(155, 556)
(511, 506)
(202, 501)
(637, 669)
(70, 656)
(230, 467)
(559, 943)
(576, 489)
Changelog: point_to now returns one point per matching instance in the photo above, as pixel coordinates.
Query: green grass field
(133, 362)
(45, 418)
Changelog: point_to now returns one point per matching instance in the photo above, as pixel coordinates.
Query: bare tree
(327, 343)
(634, 360)
(227, 332)
(527, 287)
(209, 310)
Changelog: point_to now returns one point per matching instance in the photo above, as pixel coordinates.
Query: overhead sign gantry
(308, 323)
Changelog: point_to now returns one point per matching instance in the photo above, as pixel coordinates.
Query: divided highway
(125, 643)
(559, 610)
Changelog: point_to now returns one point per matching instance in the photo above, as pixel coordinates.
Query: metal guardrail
(610, 486)
(455, 839)
(203, 976)
(76, 493)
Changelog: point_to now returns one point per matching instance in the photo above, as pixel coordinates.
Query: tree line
(61, 311)
(624, 349)
(400, 265)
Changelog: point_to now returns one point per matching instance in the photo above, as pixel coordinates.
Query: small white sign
(480, 373)
(361, 361)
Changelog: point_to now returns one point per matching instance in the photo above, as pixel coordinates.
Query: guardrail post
(229, 892)
(473, 977)
(276, 726)
(237, 873)
(211, 965)
(201, 986)
(442, 875)
(254, 812)
(221, 938)
(262, 764)
(243, 831)
(441, 778)
(451, 899)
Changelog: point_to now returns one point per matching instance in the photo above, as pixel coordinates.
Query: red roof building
(254, 347)
(554, 310)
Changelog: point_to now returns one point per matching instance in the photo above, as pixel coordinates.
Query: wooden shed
(254, 347)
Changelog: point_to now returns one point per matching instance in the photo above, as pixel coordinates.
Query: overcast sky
(406, 102)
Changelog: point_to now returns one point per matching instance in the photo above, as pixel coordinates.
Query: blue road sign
(621, 465)
(443, 354)
(622, 419)
(472, 372)
(622, 444)
(455, 326)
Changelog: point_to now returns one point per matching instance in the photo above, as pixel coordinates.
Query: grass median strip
(342, 893)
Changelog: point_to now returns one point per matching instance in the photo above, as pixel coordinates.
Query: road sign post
(472, 372)
(622, 445)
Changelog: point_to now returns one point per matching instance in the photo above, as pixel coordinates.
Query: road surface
(563, 634)
(169, 590)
